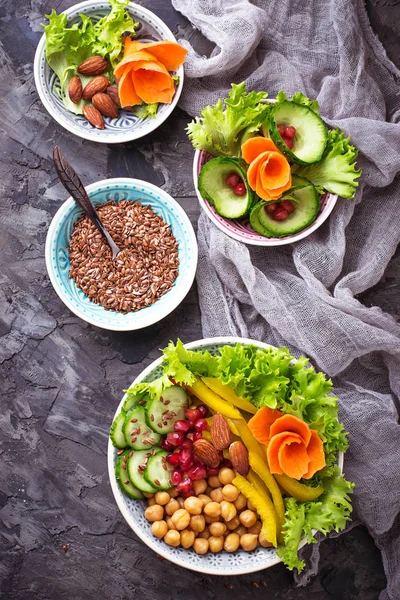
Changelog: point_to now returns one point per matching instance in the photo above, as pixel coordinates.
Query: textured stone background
(62, 379)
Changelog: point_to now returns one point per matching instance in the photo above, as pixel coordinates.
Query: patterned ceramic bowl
(221, 563)
(57, 259)
(127, 127)
(239, 229)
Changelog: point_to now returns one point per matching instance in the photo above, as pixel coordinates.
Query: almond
(75, 89)
(112, 91)
(105, 105)
(94, 65)
(206, 452)
(220, 433)
(94, 116)
(95, 86)
(239, 458)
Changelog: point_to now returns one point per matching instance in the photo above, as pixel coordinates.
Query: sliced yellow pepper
(298, 490)
(207, 435)
(226, 392)
(261, 468)
(213, 401)
(258, 483)
(263, 506)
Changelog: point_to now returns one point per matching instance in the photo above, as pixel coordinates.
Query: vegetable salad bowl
(127, 126)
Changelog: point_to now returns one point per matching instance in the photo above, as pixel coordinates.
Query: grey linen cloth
(304, 295)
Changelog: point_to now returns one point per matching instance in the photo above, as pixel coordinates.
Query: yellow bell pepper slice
(258, 483)
(213, 401)
(226, 392)
(263, 506)
(207, 436)
(298, 490)
(260, 467)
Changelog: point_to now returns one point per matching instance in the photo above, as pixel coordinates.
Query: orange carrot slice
(252, 171)
(137, 56)
(293, 457)
(275, 172)
(291, 424)
(153, 86)
(260, 424)
(126, 90)
(170, 54)
(275, 444)
(255, 146)
(315, 451)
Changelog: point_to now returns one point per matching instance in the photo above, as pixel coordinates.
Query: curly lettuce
(299, 98)
(146, 111)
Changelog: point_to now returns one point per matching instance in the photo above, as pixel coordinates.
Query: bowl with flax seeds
(152, 273)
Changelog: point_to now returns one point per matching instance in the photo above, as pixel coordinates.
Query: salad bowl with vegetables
(269, 172)
(108, 71)
(226, 456)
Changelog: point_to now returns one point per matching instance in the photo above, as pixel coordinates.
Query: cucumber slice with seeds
(136, 467)
(158, 471)
(161, 413)
(116, 431)
(133, 400)
(122, 476)
(138, 434)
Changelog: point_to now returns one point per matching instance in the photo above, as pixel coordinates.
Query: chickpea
(148, 495)
(240, 502)
(172, 538)
(241, 530)
(211, 519)
(208, 490)
(151, 502)
(249, 541)
(215, 544)
(213, 509)
(248, 518)
(205, 534)
(213, 481)
(233, 523)
(263, 541)
(159, 529)
(173, 493)
(181, 502)
(250, 506)
(217, 529)
(216, 495)
(226, 476)
(187, 538)
(232, 542)
(193, 505)
(199, 486)
(154, 513)
(170, 523)
(230, 492)
(228, 511)
(205, 499)
(256, 528)
(200, 545)
(197, 523)
(162, 498)
(181, 519)
(171, 507)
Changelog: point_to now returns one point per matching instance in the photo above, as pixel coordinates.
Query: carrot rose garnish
(269, 172)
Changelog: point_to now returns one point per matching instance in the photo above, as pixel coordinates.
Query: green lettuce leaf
(108, 31)
(146, 111)
(293, 531)
(336, 172)
(299, 98)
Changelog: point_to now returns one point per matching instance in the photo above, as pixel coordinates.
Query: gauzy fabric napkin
(304, 295)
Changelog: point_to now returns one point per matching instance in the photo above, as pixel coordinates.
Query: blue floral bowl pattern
(127, 127)
(57, 259)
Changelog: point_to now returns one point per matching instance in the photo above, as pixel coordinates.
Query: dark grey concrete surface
(62, 536)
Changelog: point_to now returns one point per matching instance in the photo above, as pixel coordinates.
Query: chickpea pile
(217, 518)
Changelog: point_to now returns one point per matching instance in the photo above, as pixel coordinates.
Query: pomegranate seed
(279, 214)
(281, 129)
(240, 189)
(290, 132)
(288, 206)
(289, 143)
(165, 445)
(176, 476)
(203, 410)
(197, 472)
(192, 414)
(232, 180)
(187, 443)
(271, 207)
(197, 460)
(212, 471)
(200, 425)
(185, 486)
(182, 426)
(197, 436)
(175, 438)
(225, 463)
(173, 459)
(185, 459)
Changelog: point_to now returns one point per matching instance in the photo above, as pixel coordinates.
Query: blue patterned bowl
(127, 127)
(57, 259)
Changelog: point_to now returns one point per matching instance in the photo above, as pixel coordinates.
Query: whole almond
(94, 116)
(239, 458)
(206, 452)
(105, 105)
(220, 433)
(94, 65)
(112, 91)
(95, 86)
(75, 89)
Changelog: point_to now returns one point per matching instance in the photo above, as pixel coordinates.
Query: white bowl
(127, 127)
(221, 563)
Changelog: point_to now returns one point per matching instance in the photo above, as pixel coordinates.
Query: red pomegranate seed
(212, 471)
(203, 410)
(196, 460)
(165, 445)
(197, 436)
(192, 414)
(240, 189)
(279, 214)
(176, 476)
(290, 132)
(197, 472)
(187, 443)
(271, 207)
(185, 459)
(288, 206)
(182, 426)
(232, 180)
(289, 143)
(281, 129)
(225, 463)
(200, 425)
(185, 486)
(173, 459)
(175, 438)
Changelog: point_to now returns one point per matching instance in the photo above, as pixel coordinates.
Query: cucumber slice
(116, 431)
(137, 464)
(306, 210)
(133, 400)
(311, 132)
(137, 433)
(212, 186)
(161, 413)
(158, 471)
(122, 476)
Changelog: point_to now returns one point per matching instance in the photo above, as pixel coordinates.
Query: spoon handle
(74, 186)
